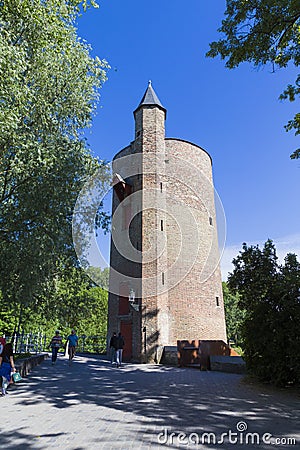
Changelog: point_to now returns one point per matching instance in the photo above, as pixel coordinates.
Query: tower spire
(150, 98)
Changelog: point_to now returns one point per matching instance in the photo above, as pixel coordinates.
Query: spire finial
(150, 97)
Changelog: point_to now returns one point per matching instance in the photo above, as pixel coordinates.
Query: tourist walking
(120, 346)
(7, 366)
(72, 342)
(55, 344)
(113, 348)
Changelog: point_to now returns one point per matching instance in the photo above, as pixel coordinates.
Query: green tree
(7, 317)
(49, 87)
(100, 277)
(261, 32)
(269, 293)
(75, 302)
(234, 315)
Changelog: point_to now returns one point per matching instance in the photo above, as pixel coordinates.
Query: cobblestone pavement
(91, 405)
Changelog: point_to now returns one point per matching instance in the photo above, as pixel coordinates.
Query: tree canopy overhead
(49, 87)
(261, 32)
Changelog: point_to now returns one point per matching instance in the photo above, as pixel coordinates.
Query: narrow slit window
(217, 301)
(161, 225)
(210, 221)
(161, 187)
(163, 278)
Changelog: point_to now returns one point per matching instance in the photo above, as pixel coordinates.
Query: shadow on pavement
(170, 398)
(25, 440)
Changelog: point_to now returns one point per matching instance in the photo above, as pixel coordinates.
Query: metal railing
(39, 342)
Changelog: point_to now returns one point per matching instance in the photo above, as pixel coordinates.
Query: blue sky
(233, 114)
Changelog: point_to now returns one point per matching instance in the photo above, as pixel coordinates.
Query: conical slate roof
(150, 98)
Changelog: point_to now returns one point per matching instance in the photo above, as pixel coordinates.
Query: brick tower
(165, 280)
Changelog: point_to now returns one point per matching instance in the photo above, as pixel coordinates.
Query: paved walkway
(91, 406)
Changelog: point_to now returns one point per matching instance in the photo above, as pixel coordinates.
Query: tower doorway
(126, 331)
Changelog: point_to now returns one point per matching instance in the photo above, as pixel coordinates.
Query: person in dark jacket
(120, 346)
(113, 347)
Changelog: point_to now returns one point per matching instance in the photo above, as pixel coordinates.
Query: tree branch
(13, 189)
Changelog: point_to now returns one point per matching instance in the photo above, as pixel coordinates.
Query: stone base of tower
(169, 355)
(193, 353)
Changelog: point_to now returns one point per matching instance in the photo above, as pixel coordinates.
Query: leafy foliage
(234, 315)
(49, 87)
(270, 295)
(100, 277)
(261, 32)
(7, 317)
(75, 303)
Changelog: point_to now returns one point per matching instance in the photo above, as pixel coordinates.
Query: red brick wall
(178, 275)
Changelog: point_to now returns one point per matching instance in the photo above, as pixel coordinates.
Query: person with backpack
(55, 344)
(120, 346)
(7, 366)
